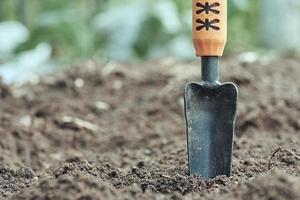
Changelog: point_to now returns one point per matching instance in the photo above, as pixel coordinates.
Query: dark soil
(117, 131)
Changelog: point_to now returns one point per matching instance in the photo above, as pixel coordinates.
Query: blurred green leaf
(68, 26)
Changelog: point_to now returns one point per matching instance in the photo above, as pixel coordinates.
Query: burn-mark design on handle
(207, 8)
(207, 24)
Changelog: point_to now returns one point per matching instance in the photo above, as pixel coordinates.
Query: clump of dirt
(13, 180)
(275, 185)
(117, 131)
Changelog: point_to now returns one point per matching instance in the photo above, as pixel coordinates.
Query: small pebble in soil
(141, 164)
(79, 83)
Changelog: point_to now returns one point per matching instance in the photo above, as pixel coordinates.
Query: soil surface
(117, 131)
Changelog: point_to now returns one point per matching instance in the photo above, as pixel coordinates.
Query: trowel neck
(209, 67)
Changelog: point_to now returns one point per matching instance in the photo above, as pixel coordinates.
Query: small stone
(148, 152)
(101, 105)
(26, 121)
(79, 83)
(134, 170)
(141, 164)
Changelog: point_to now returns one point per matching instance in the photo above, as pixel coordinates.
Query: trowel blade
(210, 115)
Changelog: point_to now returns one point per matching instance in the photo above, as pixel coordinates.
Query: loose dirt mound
(117, 131)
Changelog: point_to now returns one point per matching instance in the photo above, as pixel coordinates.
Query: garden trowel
(210, 106)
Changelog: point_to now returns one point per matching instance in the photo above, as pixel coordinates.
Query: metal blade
(210, 115)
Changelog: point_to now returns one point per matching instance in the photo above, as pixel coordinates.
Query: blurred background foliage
(151, 28)
(56, 32)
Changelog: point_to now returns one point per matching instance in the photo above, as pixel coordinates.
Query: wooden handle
(209, 27)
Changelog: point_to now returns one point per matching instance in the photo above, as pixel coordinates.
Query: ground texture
(117, 131)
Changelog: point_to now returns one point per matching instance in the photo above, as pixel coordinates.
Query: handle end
(209, 27)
